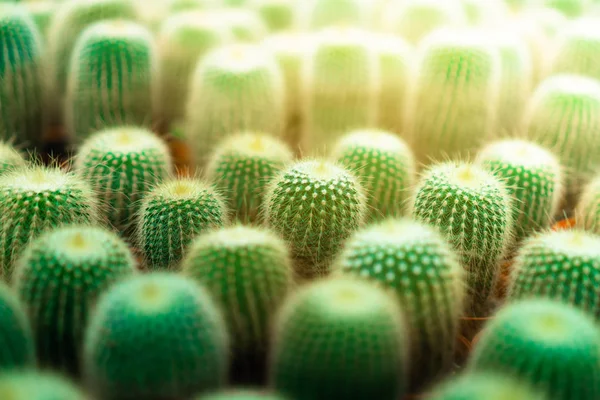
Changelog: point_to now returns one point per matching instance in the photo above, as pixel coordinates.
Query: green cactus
(176, 6)
(10, 158)
(21, 116)
(241, 168)
(156, 336)
(317, 14)
(534, 178)
(244, 24)
(315, 206)
(339, 339)
(71, 18)
(562, 265)
(570, 8)
(385, 166)
(588, 208)
(234, 88)
(35, 199)
(58, 277)
(171, 215)
(16, 336)
(341, 87)
(111, 78)
(577, 49)
(485, 386)
(416, 264)
(122, 164)
(278, 15)
(42, 12)
(473, 211)
(248, 271)
(554, 120)
(454, 95)
(242, 394)
(37, 385)
(184, 38)
(482, 13)
(545, 343)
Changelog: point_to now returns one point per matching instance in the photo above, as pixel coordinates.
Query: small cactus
(122, 164)
(577, 49)
(35, 199)
(385, 166)
(234, 88)
(534, 178)
(16, 336)
(111, 78)
(339, 339)
(278, 15)
(20, 72)
(58, 277)
(315, 206)
(485, 386)
(155, 336)
(588, 208)
(547, 344)
(171, 215)
(241, 168)
(38, 385)
(10, 158)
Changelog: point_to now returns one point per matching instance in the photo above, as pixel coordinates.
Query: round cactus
(248, 271)
(485, 386)
(385, 166)
(454, 95)
(577, 52)
(554, 120)
(20, 92)
(244, 24)
(35, 385)
(339, 339)
(171, 215)
(473, 210)
(111, 78)
(155, 336)
(278, 15)
(341, 87)
(183, 40)
(42, 12)
(10, 158)
(415, 263)
(122, 164)
(16, 336)
(315, 206)
(35, 199)
(234, 88)
(242, 394)
(58, 277)
(562, 265)
(547, 344)
(241, 167)
(570, 8)
(317, 14)
(588, 208)
(533, 176)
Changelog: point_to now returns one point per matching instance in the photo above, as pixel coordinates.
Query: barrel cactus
(588, 208)
(485, 386)
(577, 49)
(42, 12)
(36, 385)
(16, 336)
(278, 15)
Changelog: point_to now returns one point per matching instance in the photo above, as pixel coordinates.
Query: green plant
(42, 12)
(278, 15)
(36, 385)
(485, 386)
(16, 337)
(588, 208)
(570, 8)
(577, 49)
(245, 24)
(317, 14)
(10, 158)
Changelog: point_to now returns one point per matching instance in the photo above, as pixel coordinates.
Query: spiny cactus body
(315, 206)
(577, 49)
(278, 15)
(482, 13)
(35, 199)
(10, 158)
(35, 385)
(42, 12)
(244, 24)
(588, 208)
(241, 168)
(59, 277)
(385, 166)
(485, 386)
(17, 349)
(155, 336)
(172, 214)
(122, 164)
(545, 343)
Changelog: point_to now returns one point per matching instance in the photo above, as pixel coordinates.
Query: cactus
(315, 206)
(554, 120)
(547, 344)
(278, 15)
(341, 87)
(485, 386)
(416, 264)
(339, 339)
(183, 40)
(473, 210)
(562, 265)
(248, 271)
(175, 6)
(454, 95)
(171, 215)
(482, 13)
(241, 167)
(38, 385)
(244, 24)
(16, 336)
(71, 18)
(534, 178)
(577, 49)
(242, 394)
(35, 199)
(385, 166)
(20, 93)
(234, 88)
(10, 158)
(588, 208)
(318, 14)
(111, 79)
(570, 8)
(155, 336)
(42, 12)
(122, 164)
(58, 277)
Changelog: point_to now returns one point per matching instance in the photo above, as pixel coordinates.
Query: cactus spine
(16, 336)
(36, 385)
(485, 386)
(10, 158)
(588, 209)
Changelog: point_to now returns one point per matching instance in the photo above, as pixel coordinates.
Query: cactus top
(181, 189)
(186, 29)
(240, 236)
(517, 152)
(121, 141)
(234, 59)
(566, 85)
(485, 386)
(37, 179)
(255, 145)
(373, 139)
(568, 243)
(114, 29)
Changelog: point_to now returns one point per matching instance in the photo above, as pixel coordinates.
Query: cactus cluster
(588, 208)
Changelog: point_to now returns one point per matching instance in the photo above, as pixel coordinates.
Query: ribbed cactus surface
(17, 349)
(588, 208)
